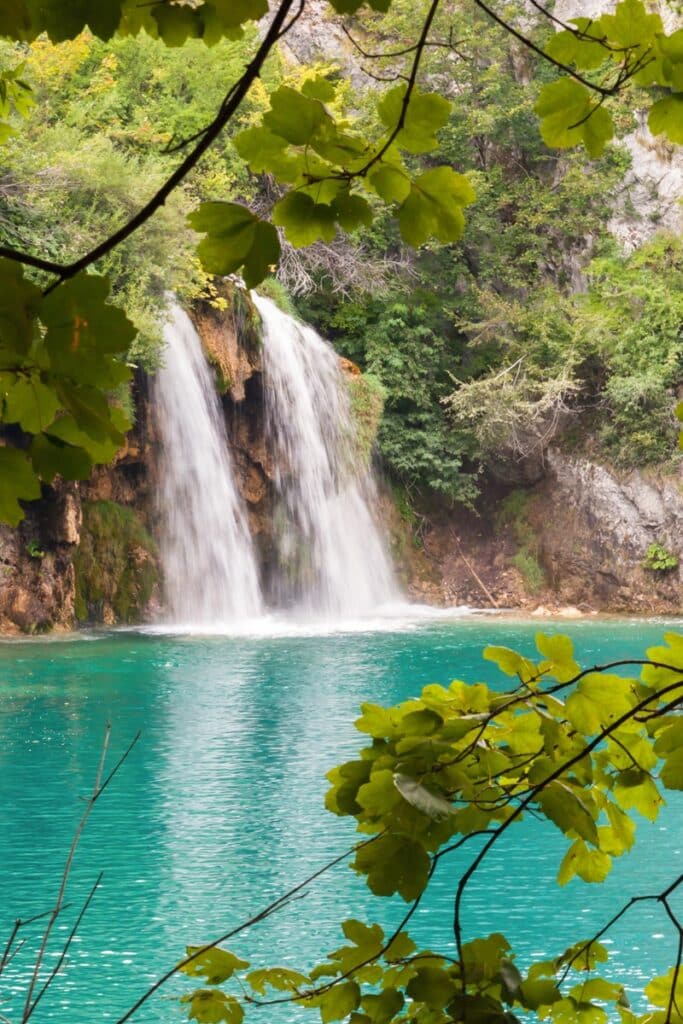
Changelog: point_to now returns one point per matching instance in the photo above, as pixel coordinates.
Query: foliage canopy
(332, 170)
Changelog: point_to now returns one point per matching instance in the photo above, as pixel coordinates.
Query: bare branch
(272, 908)
(65, 949)
(54, 913)
(522, 806)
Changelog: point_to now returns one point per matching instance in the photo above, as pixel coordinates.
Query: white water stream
(333, 559)
(210, 571)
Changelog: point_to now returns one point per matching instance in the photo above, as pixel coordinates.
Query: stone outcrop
(37, 580)
(578, 539)
(39, 585)
(594, 530)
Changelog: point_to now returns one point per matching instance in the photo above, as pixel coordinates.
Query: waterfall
(332, 557)
(207, 554)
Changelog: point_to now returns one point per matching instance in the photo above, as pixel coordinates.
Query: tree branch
(521, 807)
(229, 106)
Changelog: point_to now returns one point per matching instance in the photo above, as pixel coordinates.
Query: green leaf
(382, 1008)
(619, 836)
(318, 88)
(666, 117)
(583, 956)
(631, 25)
(569, 1011)
(590, 865)
(211, 1006)
(434, 207)
(635, 790)
(177, 24)
(402, 946)
(14, 19)
(432, 986)
(596, 988)
(265, 152)
(66, 21)
(658, 991)
(19, 303)
(304, 221)
(235, 238)
(671, 774)
(558, 652)
(215, 965)
(379, 795)
(390, 183)
(338, 1002)
(68, 430)
(570, 48)
(17, 481)
(425, 115)
(539, 992)
(50, 458)
(293, 116)
(86, 336)
(570, 114)
(31, 404)
(351, 6)
(563, 806)
(482, 957)
(352, 211)
(280, 978)
(394, 864)
(233, 13)
(598, 700)
(510, 662)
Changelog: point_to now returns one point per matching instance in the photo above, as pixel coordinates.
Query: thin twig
(97, 791)
(276, 905)
(65, 949)
(595, 742)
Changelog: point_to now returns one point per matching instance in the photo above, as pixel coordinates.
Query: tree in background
(62, 343)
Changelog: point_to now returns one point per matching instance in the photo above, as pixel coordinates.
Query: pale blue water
(219, 807)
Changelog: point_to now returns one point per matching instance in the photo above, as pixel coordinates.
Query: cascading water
(209, 565)
(333, 560)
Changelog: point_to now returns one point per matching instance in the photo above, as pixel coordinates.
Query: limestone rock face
(228, 326)
(595, 526)
(37, 583)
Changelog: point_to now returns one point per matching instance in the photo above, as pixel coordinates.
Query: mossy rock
(367, 395)
(115, 563)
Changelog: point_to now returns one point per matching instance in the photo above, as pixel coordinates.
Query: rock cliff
(584, 537)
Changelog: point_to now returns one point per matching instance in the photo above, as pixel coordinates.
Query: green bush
(659, 559)
(532, 573)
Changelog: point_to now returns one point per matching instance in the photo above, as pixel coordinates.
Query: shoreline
(404, 618)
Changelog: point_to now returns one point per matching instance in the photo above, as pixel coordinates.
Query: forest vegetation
(534, 319)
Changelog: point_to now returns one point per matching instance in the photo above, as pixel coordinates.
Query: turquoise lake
(218, 810)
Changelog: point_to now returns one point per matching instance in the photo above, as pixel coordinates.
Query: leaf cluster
(60, 356)
(580, 749)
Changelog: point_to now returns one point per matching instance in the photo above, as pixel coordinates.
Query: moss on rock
(367, 396)
(115, 564)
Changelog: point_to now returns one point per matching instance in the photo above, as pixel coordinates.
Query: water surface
(219, 808)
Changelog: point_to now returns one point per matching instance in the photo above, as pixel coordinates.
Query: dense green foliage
(611, 354)
(484, 347)
(117, 134)
(587, 751)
